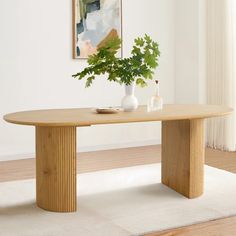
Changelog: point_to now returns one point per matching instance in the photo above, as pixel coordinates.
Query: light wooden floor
(102, 160)
(87, 162)
(223, 227)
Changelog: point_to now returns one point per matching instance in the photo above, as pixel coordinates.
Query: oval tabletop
(86, 116)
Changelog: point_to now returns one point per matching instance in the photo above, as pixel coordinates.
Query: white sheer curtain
(221, 65)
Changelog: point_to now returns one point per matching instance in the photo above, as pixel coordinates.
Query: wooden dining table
(182, 142)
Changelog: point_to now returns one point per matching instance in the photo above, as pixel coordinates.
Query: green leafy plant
(139, 67)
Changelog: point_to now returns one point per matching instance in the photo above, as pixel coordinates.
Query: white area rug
(128, 201)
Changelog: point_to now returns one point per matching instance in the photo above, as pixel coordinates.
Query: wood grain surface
(56, 168)
(220, 227)
(87, 117)
(183, 156)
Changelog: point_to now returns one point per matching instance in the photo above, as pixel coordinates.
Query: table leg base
(56, 168)
(183, 156)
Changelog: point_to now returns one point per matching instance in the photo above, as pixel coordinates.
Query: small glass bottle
(155, 103)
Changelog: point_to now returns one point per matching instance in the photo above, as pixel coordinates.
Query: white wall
(186, 32)
(36, 68)
(202, 51)
(190, 51)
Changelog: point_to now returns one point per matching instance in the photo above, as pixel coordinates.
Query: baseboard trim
(20, 156)
(87, 161)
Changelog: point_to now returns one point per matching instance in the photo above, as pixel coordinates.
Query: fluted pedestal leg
(56, 168)
(183, 156)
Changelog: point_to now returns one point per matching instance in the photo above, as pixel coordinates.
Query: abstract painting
(95, 22)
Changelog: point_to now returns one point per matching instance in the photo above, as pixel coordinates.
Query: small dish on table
(108, 110)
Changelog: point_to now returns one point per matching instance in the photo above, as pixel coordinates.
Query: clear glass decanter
(155, 103)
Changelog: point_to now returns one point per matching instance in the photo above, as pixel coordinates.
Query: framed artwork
(95, 22)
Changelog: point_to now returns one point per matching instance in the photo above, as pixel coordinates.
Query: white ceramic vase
(129, 102)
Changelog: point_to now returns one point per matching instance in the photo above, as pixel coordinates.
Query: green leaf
(147, 39)
(89, 81)
(141, 82)
(139, 66)
(139, 42)
(136, 50)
